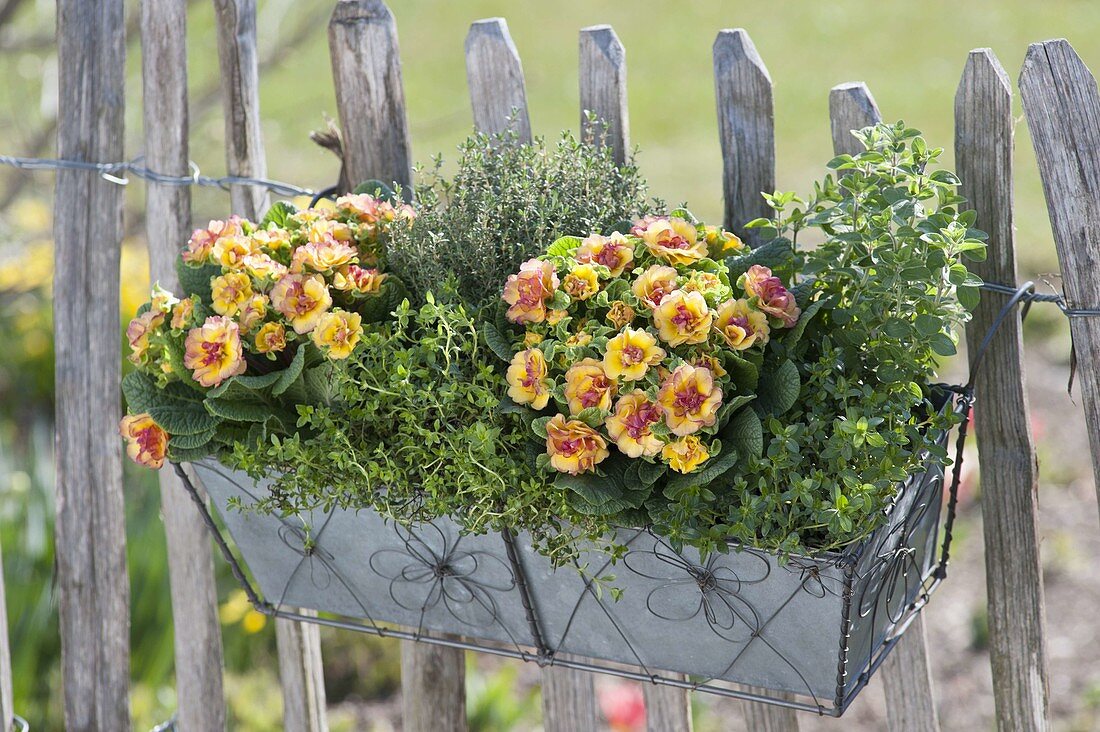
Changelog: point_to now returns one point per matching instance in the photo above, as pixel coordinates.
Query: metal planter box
(809, 631)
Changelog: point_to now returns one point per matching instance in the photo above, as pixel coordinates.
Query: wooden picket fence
(1063, 111)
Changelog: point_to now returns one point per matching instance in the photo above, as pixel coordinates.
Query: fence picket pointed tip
(604, 38)
(494, 73)
(491, 28)
(353, 11)
(851, 107)
(980, 60)
(733, 46)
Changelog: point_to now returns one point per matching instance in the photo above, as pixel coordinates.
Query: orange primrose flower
(654, 284)
(741, 325)
(683, 317)
(674, 240)
(146, 441)
(338, 333)
(573, 446)
(528, 292)
(302, 299)
(630, 354)
(526, 378)
(686, 454)
(213, 352)
(587, 385)
(690, 399)
(629, 425)
(614, 252)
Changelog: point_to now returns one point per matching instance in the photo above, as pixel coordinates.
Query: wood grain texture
(851, 107)
(667, 708)
(366, 67)
(1062, 107)
(7, 711)
(301, 675)
(433, 688)
(495, 75)
(746, 127)
(240, 82)
(198, 642)
(93, 590)
(907, 682)
(568, 700)
(1009, 471)
(766, 717)
(603, 90)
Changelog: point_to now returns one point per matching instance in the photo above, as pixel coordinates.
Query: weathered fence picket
(494, 72)
(667, 708)
(1062, 107)
(603, 90)
(366, 67)
(1009, 472)
(906, 674)
(7, 712)
(198, 640)
(93, 587)
(746, 128)
(299, 644)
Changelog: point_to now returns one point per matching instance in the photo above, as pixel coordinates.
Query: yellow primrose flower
(620, 314)
(273, 238)
(690, 399)
(721, 243)
(629, 425)
(182, 312)
(138, 332)
(360, 206)
(201, 244)
(769, 295)
(614, 252)
(252, 313)
(654, 284)
(229, 292)
(683, 317)
(337, 333)
(527, 292)
(213, 352)
(713, 363)
(230, 251)
(322, 256)
(573, 446)
(582, 282)
(703, 282)
(686, 454)
(674, 240)
(630, 354)
(146, 441)
(302, 299)
(271, 338)
(581, 338)
(526, 378)
(531, 338)
(741, 325)
(162, 300)
(326, 231)
(586, 385)
(262, 266)
(553, 317)
(353, 278)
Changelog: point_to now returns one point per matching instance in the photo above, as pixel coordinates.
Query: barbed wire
(116, 173)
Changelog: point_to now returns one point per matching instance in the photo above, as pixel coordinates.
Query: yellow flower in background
(262, 266)
(573, 446)
(629, 425)
(252, 313)
(586, 385)
(686, 454)
(614, 252)
(338, 333)
(213, 352)
(229, 292)
(654, 284)
(531, 338)
(582, 282)
(182, 312)
(630, 354)
(146, 441)
(138, 332)
(322, 256)
(674, 240)
(353, 278)
(683, 317)
(230, 251)
(271, 338)
(528, 292)
(721, 243)
(741, 325)
(237, 609)
(526, 378)
(620, 314)
(302, 299)
(690, 399)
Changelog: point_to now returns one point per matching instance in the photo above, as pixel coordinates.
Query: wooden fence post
(239, 63)
(495, 75)
(746, 127)
(7, 712)
(366, 66)
(906, 675)
(1063, 114)
(1009, 472)
(301, 673)
(198, 640)
(603, 90)
(93, 588)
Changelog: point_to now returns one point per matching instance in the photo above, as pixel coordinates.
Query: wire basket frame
(809, 631)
